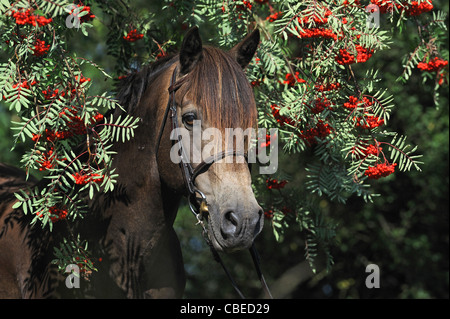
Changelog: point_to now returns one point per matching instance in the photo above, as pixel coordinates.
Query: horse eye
(188, 119)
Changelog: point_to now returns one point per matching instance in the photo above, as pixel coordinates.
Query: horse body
(24, 265)
(10, 180)
(131, 228)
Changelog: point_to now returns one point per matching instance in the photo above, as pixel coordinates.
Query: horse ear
(191, 50)
(243, 51)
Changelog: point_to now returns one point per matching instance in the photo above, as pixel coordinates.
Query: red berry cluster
(27, 17)
(317, 33)
(273, 183)
(369, 150)
(266, 142)
(320, 104)
(40, 48)
(368, 122)
(353, 2)
(386, 5)
(133, 36)
(51, 93)
(285, 210)
(321, 130)
(318, 20)
(380, 170)
(412, 9)
(280, 118)
(433, 65)
(85, 266)
(56, 214)
(354, 102)
(372, 150)
(256, 83)
(80, 80)
(97, 118)
(292, 79)
(24, 85)
(274, 16)
(75, 126)
(82, 179)
(19, 86)
(52, 136)
(328, 87)
(48, 159)
(246, 5)
(345, 58)
(363, 54)
(416, 8)
(87, 17)
(268, 214)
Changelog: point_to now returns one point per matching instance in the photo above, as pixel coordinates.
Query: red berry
(133, 36)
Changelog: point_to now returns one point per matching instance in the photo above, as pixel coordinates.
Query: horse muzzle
(233, 229)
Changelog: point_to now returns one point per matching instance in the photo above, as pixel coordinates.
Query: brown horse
(131, 228)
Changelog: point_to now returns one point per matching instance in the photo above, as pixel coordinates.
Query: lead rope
(255, 257)
(253, 252)
(219, 259)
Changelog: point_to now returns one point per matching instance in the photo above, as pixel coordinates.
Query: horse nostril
(232, 218)
(230, 224)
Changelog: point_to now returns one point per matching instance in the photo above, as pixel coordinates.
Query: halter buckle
(201, 209)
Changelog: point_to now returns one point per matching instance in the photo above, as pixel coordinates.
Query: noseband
(197, 200)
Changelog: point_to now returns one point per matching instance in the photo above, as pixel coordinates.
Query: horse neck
(139, 184)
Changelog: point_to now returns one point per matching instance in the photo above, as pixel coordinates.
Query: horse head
(215, 113)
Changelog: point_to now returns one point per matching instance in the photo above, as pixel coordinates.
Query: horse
(131, 227)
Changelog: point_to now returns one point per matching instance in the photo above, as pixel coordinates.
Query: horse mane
(133, 86)
(217, 85)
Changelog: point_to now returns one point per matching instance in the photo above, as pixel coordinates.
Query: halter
(197, 200)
